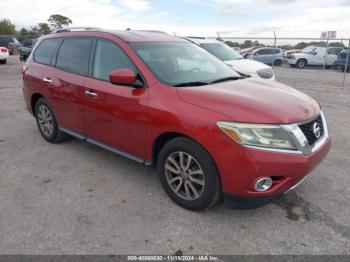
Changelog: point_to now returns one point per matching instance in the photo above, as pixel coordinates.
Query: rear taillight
(24, 68)
(3, 50)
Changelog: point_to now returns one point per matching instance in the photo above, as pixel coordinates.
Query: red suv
(161, 100)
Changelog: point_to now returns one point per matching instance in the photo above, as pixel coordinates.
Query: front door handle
(90, 93)
(47, 80)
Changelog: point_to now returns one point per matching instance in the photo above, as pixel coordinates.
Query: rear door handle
(47, 80)
(90, 93)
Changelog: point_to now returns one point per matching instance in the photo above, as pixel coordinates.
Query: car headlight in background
(259, 135)
(265, 73)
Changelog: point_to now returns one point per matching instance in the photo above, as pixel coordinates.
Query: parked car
(247, 51)
(4, 55)
(314, 56)
(26, 49)
(10, 42)
(341, 64)
(234, 59)
(287, 53)
(161, 100)
(267, 55)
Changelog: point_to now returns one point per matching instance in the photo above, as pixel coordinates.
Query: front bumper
(291, 61)
(241, 166)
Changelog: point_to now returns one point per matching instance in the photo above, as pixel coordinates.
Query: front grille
(309, 132)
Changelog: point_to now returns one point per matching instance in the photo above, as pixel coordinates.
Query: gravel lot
(75, 198)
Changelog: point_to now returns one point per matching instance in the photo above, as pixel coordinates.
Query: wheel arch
(33, 100)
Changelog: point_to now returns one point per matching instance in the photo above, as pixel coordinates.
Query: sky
(289, 18)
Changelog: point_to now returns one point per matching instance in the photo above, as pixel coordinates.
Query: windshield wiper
(191, 84)
(230, 78)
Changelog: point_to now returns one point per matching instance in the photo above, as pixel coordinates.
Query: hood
(246, 66)
(253, 101)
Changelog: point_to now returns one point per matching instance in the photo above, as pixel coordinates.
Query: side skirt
(107, 147)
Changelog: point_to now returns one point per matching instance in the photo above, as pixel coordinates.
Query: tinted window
(277, 51)
(263, 52)
(43, 54)
(333, 51)
(73, 55)
(109, 57)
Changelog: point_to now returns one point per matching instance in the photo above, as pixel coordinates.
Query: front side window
(73, 55)
(109, 57)
(43, 54)
(221, 51)
(179, 63)
(309, 50)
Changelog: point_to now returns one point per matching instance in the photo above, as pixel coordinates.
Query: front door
(115, 115)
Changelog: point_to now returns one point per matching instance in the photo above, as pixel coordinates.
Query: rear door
(318, 56)
(115, 114)
(34, 77)
(332, 55)
(65, 82)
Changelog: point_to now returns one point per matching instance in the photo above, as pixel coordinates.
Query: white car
(314, 56)
(234, 59)
(4, 54)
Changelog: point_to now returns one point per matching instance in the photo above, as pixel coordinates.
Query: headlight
(265, 73)
(260, 135)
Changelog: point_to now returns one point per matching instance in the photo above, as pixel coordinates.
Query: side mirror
(123, 77)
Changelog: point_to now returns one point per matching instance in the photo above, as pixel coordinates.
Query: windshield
(179, 63)
(221, 51)
(308, 50)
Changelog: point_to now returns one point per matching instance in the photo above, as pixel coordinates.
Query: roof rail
(149, 31)
(196, 37)
(70, 29)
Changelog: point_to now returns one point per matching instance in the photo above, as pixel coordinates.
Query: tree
(34, 30)
(232, 44)
(58, 21)
(246, 44)
(7, 28)
(23, 31)
(44, 28)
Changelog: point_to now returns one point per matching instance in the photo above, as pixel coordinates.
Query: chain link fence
(334, 55)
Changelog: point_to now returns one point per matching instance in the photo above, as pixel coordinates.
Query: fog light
(263, 184)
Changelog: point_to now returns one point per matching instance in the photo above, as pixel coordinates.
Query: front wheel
(188, 174)
(301, 63)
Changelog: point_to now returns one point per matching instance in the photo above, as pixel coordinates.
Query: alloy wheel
(184, 175)
(45, 120)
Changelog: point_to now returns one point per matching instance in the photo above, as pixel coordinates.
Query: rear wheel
(188, 174)
(3, 61)
(301, 63)
(278, 62)
(47, 123)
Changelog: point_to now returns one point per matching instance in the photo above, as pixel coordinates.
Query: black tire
(3, 61)
(211, 191)
(278, 62)
(56, 135)
(301, 63)
(292, 65)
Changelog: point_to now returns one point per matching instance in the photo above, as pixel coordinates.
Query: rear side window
(73, 55)
(43, 54)
(109, 57)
